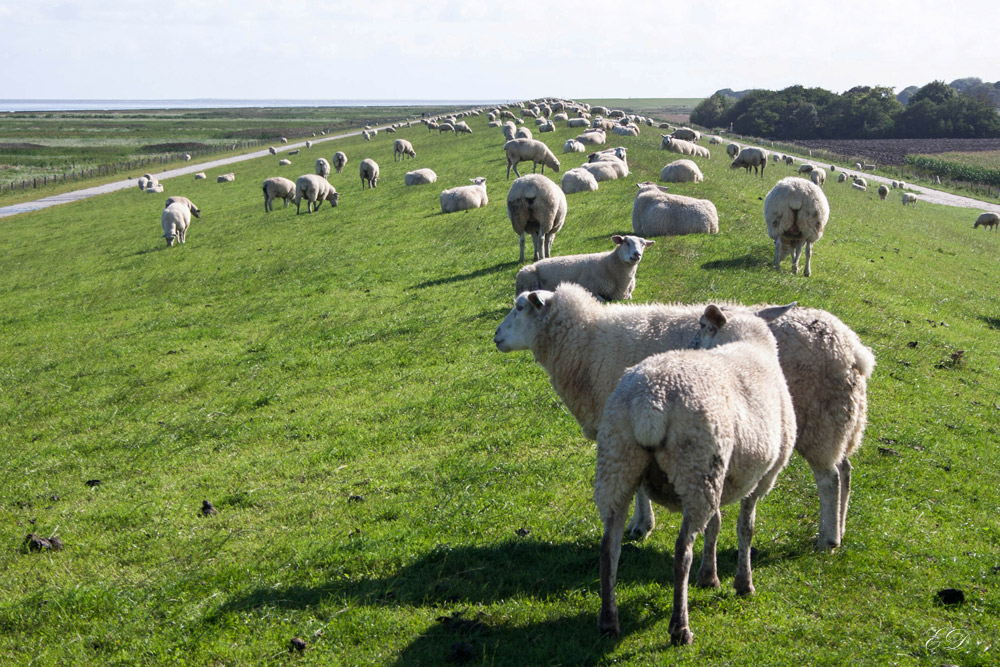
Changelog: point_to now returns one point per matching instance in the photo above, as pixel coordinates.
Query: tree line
(935, 111)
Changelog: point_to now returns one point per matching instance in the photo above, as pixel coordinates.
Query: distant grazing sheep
(315, 189)
(681, 171)
(796, 211)
(465, 197)
(524, 150)
(536, 206)
(860, 181)
(187, 157)
(789, 160)
(322, 167)
(859, 186)
(272, 150)
(751, 157)
(987, 221)
(805, 168)
(578, 180)
(420, 177)
(818, 176)
(909, 198)
(339, 160)
(369, 173)
(883, 192)
(732, 150)
(656, 212)
(842, 177)
(401, 148)
(277, 188)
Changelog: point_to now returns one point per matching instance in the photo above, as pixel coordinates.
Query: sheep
(145, 180)
(859, 186)
(536, 206)
(391, 129)
(175, 220)
(284, 140)
(789, 160)
(420, 177)
(339, 161)
(573, 146)
(858, 180)
(187, 157)
(578, 180)
(445, 127)
(369, 173)
(681, 171)
(603, 171)
(225, 178)
(431, 125)
(277, 188)
(309, 144)
(987, 221)
(585, 347)
(751, 157)
(594, 137)
(547, 127)
(909, 198)
(509, 130)
(655, 212)
(775, 157)
(714, 139)
(200, 175)
(465, 197)
(366, 134)
(577, 122)
(401, 148)
(796, 211)
(683, 147)
(902, 185)
(687, 134)
(272, 150)
(523, 133)
(697, 429)
(610, 276)
(883, 192)
(522, 150)
(818, 176)
(315, 189)
(805, 168)
(842, 177)
(626, 131)
(284, 162)
(732, 150)
(183, 201)
(295, 152)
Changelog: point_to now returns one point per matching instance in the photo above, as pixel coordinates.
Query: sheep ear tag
(536, 300)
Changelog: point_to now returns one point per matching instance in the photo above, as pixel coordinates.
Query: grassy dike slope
(389, 485)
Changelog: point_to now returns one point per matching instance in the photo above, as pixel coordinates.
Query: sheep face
(630, 248)
(517, 331)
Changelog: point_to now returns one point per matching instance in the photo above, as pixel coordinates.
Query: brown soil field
(894, 151)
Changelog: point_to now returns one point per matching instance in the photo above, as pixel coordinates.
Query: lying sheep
(536, 206)
(284, 162)
(686, 134)
(277, 188)
(883, 192)
(683, 147)
(523, 150)
(154, 188)
(339, 161)
(909, 198)
(585, 347)
(610, 276)
(226, 178)
(200, 175)
(420, 177)
(681, 171)
(175, 220)
(578, 180)
(401, 148)
(145, 180)
(573, 146)
(697, 429)
(593, 138)
(295, 152)
(732, 150)
(369, 173)
(465, 197)
(859, 186)
(577, 122)
(818, 176)
(796, 211)
(655, 212)
(322, 167)
(751, 157)
(548, 126)
(315, 189)
(860, 181)
(987, 221)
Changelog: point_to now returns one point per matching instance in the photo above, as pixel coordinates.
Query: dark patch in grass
(991, 322)
(506, 266)
(9, 146)
(745, 262)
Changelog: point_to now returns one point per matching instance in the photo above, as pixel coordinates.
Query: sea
(210, 103)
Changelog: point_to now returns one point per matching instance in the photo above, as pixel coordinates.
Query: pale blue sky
(445, 49)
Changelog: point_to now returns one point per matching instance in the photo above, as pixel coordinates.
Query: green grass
(984, 159)
(330, 383)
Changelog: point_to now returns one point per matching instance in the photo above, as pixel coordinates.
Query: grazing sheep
(686, 134)
(796, 211)
(732, 150)
(277, 188)
(187, 157)
(902, 185)
(465, 197)
(401, 148)
(391, 129)
(585, 347)
(860, 181)
(369, 173)
(339, 161)
(200, 175)
(272, 150)
(183, 201)
(445, 127)
(610, 276)
(859, 186)
(578, 180)
(681, 171)
(883, 192)
(987, 221)
(284, 140)
(775, 157)
(523, 150)
(751, 157)
(789, 160)
(714, 140)
(462, 127)
(655, 212)
(683, 147)
(842, 177)
(431, 125)
(509, 130)
(573, 146)
(322, 167)
(420, 177)
(536, 206)
(315, 189)
(284, 162)
(909, 198)
(309, 144)
(175, 220)
(805, 168)
(226, 178)
(818, 176)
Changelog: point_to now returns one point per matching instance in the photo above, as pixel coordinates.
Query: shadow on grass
(505, 266)
(991, 322)
(754, 261)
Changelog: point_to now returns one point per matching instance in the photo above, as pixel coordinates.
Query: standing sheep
(732, 150)
(796, 211)
(465, 197)
(523, 150)
(420, 177)
(987, 221)
(315, 189)
(818, 176)
(339, 161)
(655, 212)
(681, 171)
(272, 150)
(536, 206)
(610, 276)
(322, 167)
(909, 198)
(883, 192)
(183, 201)
(277, 188)
(401, 148)
(687, 134)
(805, 168)
(175, 220)
(369, 173)
(751, 157)
(578, 180)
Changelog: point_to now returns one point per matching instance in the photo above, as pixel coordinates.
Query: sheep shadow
(991, 322)
(748, 261)
(505, 266)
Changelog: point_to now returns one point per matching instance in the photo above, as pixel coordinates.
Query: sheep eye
(519, 308)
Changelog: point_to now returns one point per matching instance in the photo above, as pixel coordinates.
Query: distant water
(121, 105)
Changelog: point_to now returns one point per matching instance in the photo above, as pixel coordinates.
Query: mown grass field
(394, 490)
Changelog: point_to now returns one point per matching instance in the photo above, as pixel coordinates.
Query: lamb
(796, 211)
(465, 197)
(339, 161)
(578, 180)
(523, 133)
(987, 221)
(683, 147)
(369, 173)
(751, 157)
(585, 347)
(687, 134)
(322, 167)
(573, 146)
(420, 177)
(316, 189)
(522, 150)
(610, 276)
(681, 171)
(909, 198)
(200, 175)
(655, 212)
(536, 206)
(401, 148)
(883, 192)
(277, 188)
(732, 150)
(818, 176)
(284, 162)
(175, 220)
(697, 429)
(225, 178)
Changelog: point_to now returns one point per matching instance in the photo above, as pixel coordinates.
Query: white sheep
(284, 140)
(465, 197)
(577, 122)
(987, 221)
(272, 150)
(818, 176)
(610, 276)
(315, 189)
(309, 144)
(593, 137)
(617, 156)
(154, 188)
(681, 171)
(225, 178)
(578, 180)
(858, 180)
(446, 127)
(277, 188)
(322, 167)
(187, 157)
(183, 201)
(369, 173)
(573, 146)
(536, 206)
(547, 126)
(883, 192)
(805, 168)
(523, 133)
(401, 148)
(859, 186)
(751, 157)
(842, 177)
(585, 347)
(200, 175)
(796, 211)
(462, 127)
(523, 150)
(656, 212)
(697, 429)
(145, 180)
(284, 162)
(339, 161)
(509, 130)
(732, 150)
(909, 198)
(175, 220)
(682, 147)
(687, 134)
(606, 170)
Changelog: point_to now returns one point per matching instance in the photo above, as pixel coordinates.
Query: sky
(475, 50)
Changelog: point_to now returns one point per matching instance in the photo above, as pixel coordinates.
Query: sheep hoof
(681, 637)
(744, 587)
(639, 530)
(826, 544)
(607, 625)
(709, 582)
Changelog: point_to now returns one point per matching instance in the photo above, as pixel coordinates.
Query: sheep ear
(617, 239)
(647, 242)
(536, 300)
(715, 316)
(774, 312)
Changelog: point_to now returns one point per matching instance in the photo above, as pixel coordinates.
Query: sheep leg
(828, 484)
(845, 495)
(708, 575)
(298, 204)
(796, 251)
(809, 254)
(539, 244)
(547, 247)
(643, 521)
(680, 633)
(777, 253)
(743, 583)
(522, 247)
(611, 546)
